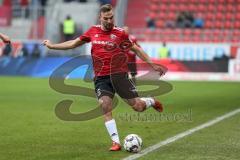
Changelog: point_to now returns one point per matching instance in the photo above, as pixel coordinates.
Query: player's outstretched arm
(65, 45)
(5, 38)
(141, 54)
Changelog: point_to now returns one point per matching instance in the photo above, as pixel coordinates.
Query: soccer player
(109, 47)
(5, 38)
(132, 60)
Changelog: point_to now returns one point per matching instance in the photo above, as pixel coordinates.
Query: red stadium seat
(211, 1)
(227, 24)
(229, 16)
(220, 7)
(209, 16)
(221, 1)
(237, 16)
(154, 7)
(197, 32)
(187, 32)
(230, 1)
(160, 23)
(237, 24)
(218, 24)
(162, 15)
(172, 8)
(154, 1)
(211, 8)
(219, 16)
(236, 33)
(171, 16)
(182, 7)
(192, 7)
(201, 8)
(235, 39)
(163, 7)
(209, 24)
(230, 7)
(153, 15)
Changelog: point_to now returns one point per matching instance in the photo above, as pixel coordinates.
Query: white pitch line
(182, 135)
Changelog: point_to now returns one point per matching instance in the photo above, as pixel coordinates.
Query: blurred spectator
(189, 19)
(163, 51)
(68, 28)
(24, 4)
(180, 20)
(170, 24)
(24, 51)
(36, 51)
(184, 20)
(7, 49)
(198, 21)
(43, 4)
(151, 23)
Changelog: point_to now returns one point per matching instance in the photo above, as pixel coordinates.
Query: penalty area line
(182, 135)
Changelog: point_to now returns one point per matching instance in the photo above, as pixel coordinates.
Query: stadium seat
(211, 8)
(230, 1)
(220, 7)
(227, 24)
(160, 23)
(230, 7)
(237, 16)
(163, 7)
(219, 16)
(237, 24)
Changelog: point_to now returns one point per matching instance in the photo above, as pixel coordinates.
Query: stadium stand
(221, 20)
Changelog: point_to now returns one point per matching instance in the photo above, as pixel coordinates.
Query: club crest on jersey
(96, 36)
(113, 36)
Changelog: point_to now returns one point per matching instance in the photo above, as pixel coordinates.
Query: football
(132, 143)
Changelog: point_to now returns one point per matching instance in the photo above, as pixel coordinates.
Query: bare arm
(143, 55)
(65, 45)
(5, 38)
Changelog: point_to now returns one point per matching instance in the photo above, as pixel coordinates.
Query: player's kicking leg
(141, 104)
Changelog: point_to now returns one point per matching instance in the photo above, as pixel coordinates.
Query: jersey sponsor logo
(113, 36)
(110, 46)
(99, 42)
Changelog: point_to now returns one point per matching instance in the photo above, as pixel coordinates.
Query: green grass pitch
(30, 130)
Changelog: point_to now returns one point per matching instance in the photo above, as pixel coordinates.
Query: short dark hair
(106, 8)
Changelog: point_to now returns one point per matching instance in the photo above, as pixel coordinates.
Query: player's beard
(108, 26)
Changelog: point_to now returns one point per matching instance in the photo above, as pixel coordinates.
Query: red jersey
(108, 50)
(132, 55)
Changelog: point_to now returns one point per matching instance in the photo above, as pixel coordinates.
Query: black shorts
(132, 69)
(116, 83)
